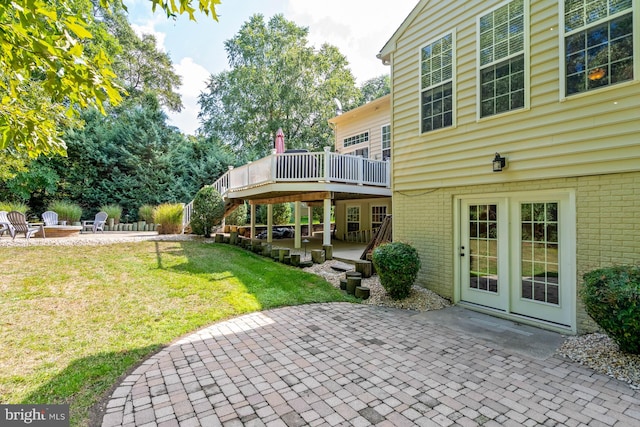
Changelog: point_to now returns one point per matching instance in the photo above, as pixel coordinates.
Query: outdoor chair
(50, 218)
(5, 224)
(20, 225)
(97, 224)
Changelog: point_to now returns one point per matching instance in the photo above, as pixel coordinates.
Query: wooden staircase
(383, 235)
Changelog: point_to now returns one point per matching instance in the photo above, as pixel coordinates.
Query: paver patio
(357, 365)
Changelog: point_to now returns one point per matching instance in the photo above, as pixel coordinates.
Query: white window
(501, 45)
(356, 139)
(436, 84)
(598, 44)
(353, 218)
(386, 142)
(378, 213)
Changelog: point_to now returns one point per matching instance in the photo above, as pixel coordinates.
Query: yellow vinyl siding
(367, 118)
(580, 135)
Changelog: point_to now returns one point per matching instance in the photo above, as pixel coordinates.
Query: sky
(359, 28)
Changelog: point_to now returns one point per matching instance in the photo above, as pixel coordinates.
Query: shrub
(113, 211)
(612, 298)
(66, 211)
(169, 216)
(397, 265)
(14, 206)
(145, 213)
(238, 216)
(208, 211)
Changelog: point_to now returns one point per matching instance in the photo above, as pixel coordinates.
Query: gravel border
(107, 238)
(600, 353)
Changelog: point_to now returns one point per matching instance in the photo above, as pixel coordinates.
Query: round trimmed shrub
(612, 298)
(208, 211)
(397, 264)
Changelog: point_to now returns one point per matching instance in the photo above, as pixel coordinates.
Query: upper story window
(598, 42)
(386, 142)
(436, 84)
(356, 139)
(502, 59)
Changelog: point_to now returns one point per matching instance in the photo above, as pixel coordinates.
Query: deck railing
(301, 167)
(361, 236)
(306, 167)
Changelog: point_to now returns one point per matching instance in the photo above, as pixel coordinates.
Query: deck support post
(269, 223)
(253, 221)
(310, 217)
(297, 240)
(326, 233)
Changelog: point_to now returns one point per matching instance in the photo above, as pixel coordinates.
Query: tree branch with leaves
(47, 76)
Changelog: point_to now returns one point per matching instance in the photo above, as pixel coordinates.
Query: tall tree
(276, 80)
(140, 66)
(47, 76)
(375, 88)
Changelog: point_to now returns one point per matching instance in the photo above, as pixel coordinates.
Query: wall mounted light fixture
(499, 163)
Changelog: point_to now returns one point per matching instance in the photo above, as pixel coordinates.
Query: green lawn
(74, 319)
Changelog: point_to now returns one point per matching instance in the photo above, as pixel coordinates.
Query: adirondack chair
(20, 225)
(5, 224)
(50, 218)
(97, 224)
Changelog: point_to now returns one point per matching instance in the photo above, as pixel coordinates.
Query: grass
(537, 258)
(74, 319)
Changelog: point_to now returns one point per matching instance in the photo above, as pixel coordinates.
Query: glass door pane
(483, 247)
(539, 247)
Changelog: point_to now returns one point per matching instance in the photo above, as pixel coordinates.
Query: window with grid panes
(386, 142)
(356, 139)
(436, 84)
(598, 37)
(377, 215)
(353, 218)
(502, 64)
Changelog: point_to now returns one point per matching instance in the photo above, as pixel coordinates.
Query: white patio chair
(97, 224)
(50, 218)
(5, 225)
(20, 225)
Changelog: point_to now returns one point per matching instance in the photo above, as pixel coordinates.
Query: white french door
(482, 253)
(517, 254)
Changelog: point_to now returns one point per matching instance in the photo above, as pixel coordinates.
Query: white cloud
(149, 28)
(359, 28)
(194, 82)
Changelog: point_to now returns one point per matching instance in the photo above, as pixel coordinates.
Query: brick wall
(607, 226)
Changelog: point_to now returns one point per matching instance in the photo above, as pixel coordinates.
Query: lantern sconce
(499, 163)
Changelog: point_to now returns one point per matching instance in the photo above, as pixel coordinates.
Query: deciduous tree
(47, 75)
(276, 80)
(375, 88)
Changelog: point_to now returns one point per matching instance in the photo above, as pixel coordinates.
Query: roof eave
(385, 53)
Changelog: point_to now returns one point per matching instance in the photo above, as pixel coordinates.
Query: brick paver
(357, 365)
